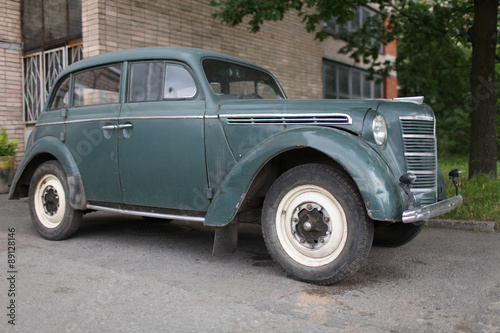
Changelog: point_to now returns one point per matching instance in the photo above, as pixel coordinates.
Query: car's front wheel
(49, 205)
(315, 225)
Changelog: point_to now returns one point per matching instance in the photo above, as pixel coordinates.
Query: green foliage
(313, 12)
(481, 194)
(7, 147)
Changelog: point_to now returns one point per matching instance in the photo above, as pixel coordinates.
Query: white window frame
(39, 73)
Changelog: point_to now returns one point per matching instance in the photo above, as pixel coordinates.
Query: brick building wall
(285, 48)
(11, 94)
(391, 82)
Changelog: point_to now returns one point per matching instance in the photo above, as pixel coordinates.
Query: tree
(452, 22)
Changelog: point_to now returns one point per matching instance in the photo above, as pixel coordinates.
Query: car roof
(191, 56)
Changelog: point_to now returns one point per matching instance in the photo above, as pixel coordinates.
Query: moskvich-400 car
(188, 134)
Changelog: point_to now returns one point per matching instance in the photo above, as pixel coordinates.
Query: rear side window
(156, 81)
(61, 96)
(146, 80)
(97, 86)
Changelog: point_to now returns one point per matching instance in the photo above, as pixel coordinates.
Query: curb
(483, 226)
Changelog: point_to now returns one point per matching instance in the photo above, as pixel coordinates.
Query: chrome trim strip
(427, 212)
(90, 120)
(428, 172)
(161, 117)
(421, 154)
(423, 190)
(418, 117)
(319, 118)
(157, 215)
(48, 124)
(418, 136)
(280, 115)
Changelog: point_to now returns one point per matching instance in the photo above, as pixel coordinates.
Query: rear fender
(50, 148)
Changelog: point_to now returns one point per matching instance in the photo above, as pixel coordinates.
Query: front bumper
(427, 212)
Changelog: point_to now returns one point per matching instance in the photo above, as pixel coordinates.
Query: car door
(162, 152)
(91, 131)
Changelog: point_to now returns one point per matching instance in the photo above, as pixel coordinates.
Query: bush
(7, 147)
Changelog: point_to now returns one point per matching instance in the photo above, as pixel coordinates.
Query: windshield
(231, 79)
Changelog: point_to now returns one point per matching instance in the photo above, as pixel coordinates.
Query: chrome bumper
(427, 212)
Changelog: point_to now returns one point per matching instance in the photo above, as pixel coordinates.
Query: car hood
(347, 115)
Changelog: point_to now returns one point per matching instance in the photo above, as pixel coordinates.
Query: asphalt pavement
(122, 274)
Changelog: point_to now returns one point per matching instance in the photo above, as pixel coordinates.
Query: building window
(343, 82)
(49, 23)
(361, 16)
(39, 73)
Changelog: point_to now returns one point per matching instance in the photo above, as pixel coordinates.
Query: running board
(148, 214)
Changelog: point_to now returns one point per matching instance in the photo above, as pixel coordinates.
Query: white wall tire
(50, 210)
(315, 225)
(308, 247)
(49, 201)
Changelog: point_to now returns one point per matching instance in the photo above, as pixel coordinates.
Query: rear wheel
(388, 234)
(50, 210)
(315, 225)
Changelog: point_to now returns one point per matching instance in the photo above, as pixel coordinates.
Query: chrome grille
(420, 151)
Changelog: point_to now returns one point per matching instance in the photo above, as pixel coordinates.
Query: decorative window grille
(33, 95)
(54, 63)
(40, 71)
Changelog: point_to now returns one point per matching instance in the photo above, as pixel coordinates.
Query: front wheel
(315, 225)
(50, 210)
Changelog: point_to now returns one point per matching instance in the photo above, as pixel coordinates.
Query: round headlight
(379, 129)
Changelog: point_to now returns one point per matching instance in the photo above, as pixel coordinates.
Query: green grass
(481, 194)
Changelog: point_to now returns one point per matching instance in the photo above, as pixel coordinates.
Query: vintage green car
(188, 134)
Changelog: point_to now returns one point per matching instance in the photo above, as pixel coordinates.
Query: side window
(179, 84)
(60, 98)
(146, 79)
(97, 86)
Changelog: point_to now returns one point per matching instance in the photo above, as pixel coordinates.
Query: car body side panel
(162, 155)
(95, 149)
(383, 198)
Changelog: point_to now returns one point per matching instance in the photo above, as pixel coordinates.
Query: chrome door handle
(124, 126)
(109, 127)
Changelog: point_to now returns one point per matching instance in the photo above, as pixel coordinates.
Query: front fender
(383, 198)
(55, 148)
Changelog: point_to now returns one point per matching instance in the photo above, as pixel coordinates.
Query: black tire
(315, 225)
(388, 234)
(50, 210)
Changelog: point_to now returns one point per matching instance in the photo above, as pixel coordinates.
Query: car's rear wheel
(49, 205)
(315, 225)
(389, 234)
